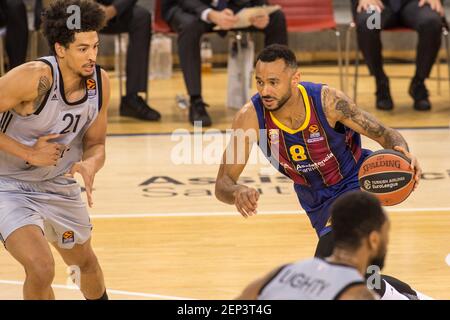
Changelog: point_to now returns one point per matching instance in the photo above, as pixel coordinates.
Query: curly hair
(354, 216)
(56, 17)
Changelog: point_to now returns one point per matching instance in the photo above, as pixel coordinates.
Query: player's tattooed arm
(43, 86)
(340, 108)
(35, 79)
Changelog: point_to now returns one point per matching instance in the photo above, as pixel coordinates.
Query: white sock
(392, 294)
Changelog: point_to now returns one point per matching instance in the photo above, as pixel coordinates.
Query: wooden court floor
(160, 233)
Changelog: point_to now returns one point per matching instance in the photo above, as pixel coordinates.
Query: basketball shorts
(317, 203)
(54, 205)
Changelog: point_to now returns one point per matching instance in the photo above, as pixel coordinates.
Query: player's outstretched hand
(45, 153)
(414, 164)
(246, 201)
(88, 174)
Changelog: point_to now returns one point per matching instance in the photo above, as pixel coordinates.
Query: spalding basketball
(388, 175)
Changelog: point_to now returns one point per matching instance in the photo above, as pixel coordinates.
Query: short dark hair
(277, 51)
(92, 18)
(354, 216)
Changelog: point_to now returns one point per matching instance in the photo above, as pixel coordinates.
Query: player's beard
(86, 75)
(281, 102)
(379, 259)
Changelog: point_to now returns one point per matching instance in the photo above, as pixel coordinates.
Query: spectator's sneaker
(384, 99)
(134, 106)
(197, 112)
(419, 93)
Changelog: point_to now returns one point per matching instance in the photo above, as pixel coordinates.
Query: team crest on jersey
(274, 136)
(68, 237)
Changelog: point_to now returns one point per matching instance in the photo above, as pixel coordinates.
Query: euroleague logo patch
(91, 86)
(90, 83)
(68, 237)
(314, 134)
(313, 128)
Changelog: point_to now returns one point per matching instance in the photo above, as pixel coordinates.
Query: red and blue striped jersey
(315, 156)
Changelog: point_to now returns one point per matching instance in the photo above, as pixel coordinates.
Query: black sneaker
(134, 106)
(197, 112)
(384, 99)
(419, 93)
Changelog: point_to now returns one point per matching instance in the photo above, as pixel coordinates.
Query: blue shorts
(317, 203)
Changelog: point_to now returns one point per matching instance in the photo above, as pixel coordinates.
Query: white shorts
(54, 205)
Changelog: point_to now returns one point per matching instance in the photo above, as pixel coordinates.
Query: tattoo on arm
(393, 138)
(363, 119)
(42, 89)
(337, 102)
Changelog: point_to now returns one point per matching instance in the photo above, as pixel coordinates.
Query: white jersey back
(313, 279)
(54, 115)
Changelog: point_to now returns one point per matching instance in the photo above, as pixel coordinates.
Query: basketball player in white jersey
(53, 118)
(361, 235)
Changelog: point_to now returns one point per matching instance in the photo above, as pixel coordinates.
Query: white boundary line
(231, 213)
(110, 291)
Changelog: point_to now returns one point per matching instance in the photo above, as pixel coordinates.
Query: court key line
(223, 131)
(110, 291)
(231, 213)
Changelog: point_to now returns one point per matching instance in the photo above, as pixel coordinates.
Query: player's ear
(374, 240)
(60, 50)
(296, 78)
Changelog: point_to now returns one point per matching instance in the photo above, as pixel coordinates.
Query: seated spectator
(192, 18)
(13, 16)
(127, 16)
(424, 16)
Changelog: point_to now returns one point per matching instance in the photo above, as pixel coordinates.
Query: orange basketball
(387, 174)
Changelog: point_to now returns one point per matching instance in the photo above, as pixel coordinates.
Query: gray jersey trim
(63, 95)
(99, 87)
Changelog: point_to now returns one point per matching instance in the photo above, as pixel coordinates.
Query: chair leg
(240, 54)
(120, 65)
(447, 47)
(341, 75)
(347, 56)
(438, 72)
(438, 76)
(355, 77)
(2, 59)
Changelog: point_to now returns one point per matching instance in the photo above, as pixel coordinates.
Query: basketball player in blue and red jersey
(311, 134)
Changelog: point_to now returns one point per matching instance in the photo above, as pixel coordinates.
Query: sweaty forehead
(271, 70)
(86, 37)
